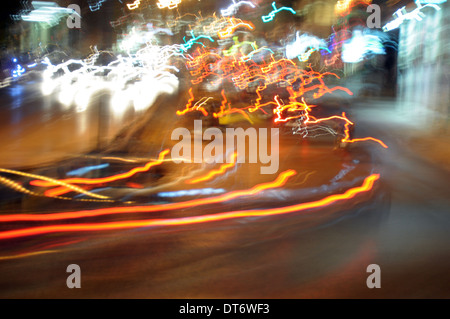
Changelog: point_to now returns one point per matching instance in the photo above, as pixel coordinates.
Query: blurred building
(35, 35)
(424, 67)
(317, 17)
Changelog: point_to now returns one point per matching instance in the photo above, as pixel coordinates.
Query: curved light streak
(272, 14)
(350, 193)
(108, 178)
(213, 173)
(347, 139)
(54, 182)
(234, 24)
(170, 4)
(232, 9)
(19, 188)
(279, 182)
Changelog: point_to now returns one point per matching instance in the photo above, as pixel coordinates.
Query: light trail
(303, 45)
(29, 254)
(53, 182)
(291, 107)
(234, 48)
(225, 111)
(198, 106)
(279, 182)
(272, 14)
(19, 188)
(234, 24)
(134, 5)
(214, 173)
(315, 121)
(121, 225)
(188, 44)
(249, 56)
(170, 4)
(343, 7)
(107, 179)
(347, 139)
(86, 169)
(402, 15)
(233, 8)
(57, 191)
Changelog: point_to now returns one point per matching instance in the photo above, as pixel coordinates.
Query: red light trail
(105, 179)
(350, 193)
(234, 24)
(213, 173)
(279, 182)
(347, 139)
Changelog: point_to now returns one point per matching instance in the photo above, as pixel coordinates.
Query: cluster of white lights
(401, 15)
(137, 78)
(233, 8)
(48, 13)
(361, 46)
(302, 44)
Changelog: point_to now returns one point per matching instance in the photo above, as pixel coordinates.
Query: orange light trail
(291, 107)
(19, 188)
(350, 193)
(258, 105)
(315, 121)
(234, 24)
(188, 105)
(105, 179)
(57, 191)
(213, 173)
(224, 111)
(244, 73)
(343, 7)
(170, 4)
(347, 136)
(280, 181)
(198, 106)
(190, 108)
(50, 180)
